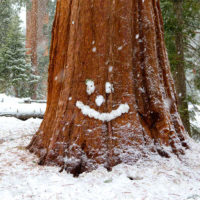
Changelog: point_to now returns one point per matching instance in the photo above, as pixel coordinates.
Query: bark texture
(36, 39)
(179, 74)
(116, 41)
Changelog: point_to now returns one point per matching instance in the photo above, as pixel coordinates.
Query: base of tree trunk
(81, 162)
(111, 96)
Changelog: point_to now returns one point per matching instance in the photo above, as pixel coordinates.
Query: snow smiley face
(92, 113)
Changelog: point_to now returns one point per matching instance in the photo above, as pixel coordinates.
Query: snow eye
(90, 86)
(109, 88)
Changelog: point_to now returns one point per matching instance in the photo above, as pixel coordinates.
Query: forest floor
(153, 179)
(21, 178)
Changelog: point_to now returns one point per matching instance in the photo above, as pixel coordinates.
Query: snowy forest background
(24, 51)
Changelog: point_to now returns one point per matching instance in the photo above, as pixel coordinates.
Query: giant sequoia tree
(36, 38)
(111, 96)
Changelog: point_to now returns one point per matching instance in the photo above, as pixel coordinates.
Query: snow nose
(99, 100)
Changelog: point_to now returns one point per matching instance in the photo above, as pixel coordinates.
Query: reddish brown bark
(128, 38)
(36, 40)
(28, 30)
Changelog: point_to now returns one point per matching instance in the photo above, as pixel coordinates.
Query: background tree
(43, 18)
(5, 18)
(111, 97)
(43, 53)
(16, 73)
(181, 20)
(37, 40)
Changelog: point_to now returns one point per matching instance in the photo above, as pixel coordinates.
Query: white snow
(152, 178)
(99, 100)
(90, 87)
(167, 103)
(13, 106)
(155, 178)
(92, 113)
(195, 120)
(120, 48)
(110, 68)
(109, 87)
(137, 36)
(94, 49)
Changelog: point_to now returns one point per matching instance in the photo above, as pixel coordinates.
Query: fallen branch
(34, 101)
(22, 116)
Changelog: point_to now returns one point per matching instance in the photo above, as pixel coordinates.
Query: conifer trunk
(179, 74)
(119, 42)
(36, 40)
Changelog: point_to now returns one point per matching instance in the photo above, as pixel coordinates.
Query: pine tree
(15, 71)
(5, 18)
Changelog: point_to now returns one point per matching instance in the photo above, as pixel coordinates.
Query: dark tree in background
(181, 20)
(5, 18)
(16, 74)
(179, 73)
(37, 42)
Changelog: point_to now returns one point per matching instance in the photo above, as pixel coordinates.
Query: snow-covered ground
(155, 178)
(15, 106)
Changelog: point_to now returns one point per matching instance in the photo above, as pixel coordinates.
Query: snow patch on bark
(167, 103)
(99, 100)
(90, 87)
(109, 87)
(110, 68)
(94, 49)
(72, 160)
(120, 48)
(92, 113)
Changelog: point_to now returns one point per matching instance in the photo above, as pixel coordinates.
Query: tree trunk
(114, 49)
(179, 74)
(28, 28)
(36, 40)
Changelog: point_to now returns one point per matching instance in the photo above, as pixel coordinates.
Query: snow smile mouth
(92, 113)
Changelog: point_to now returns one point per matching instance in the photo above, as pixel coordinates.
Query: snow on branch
(21, 108)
